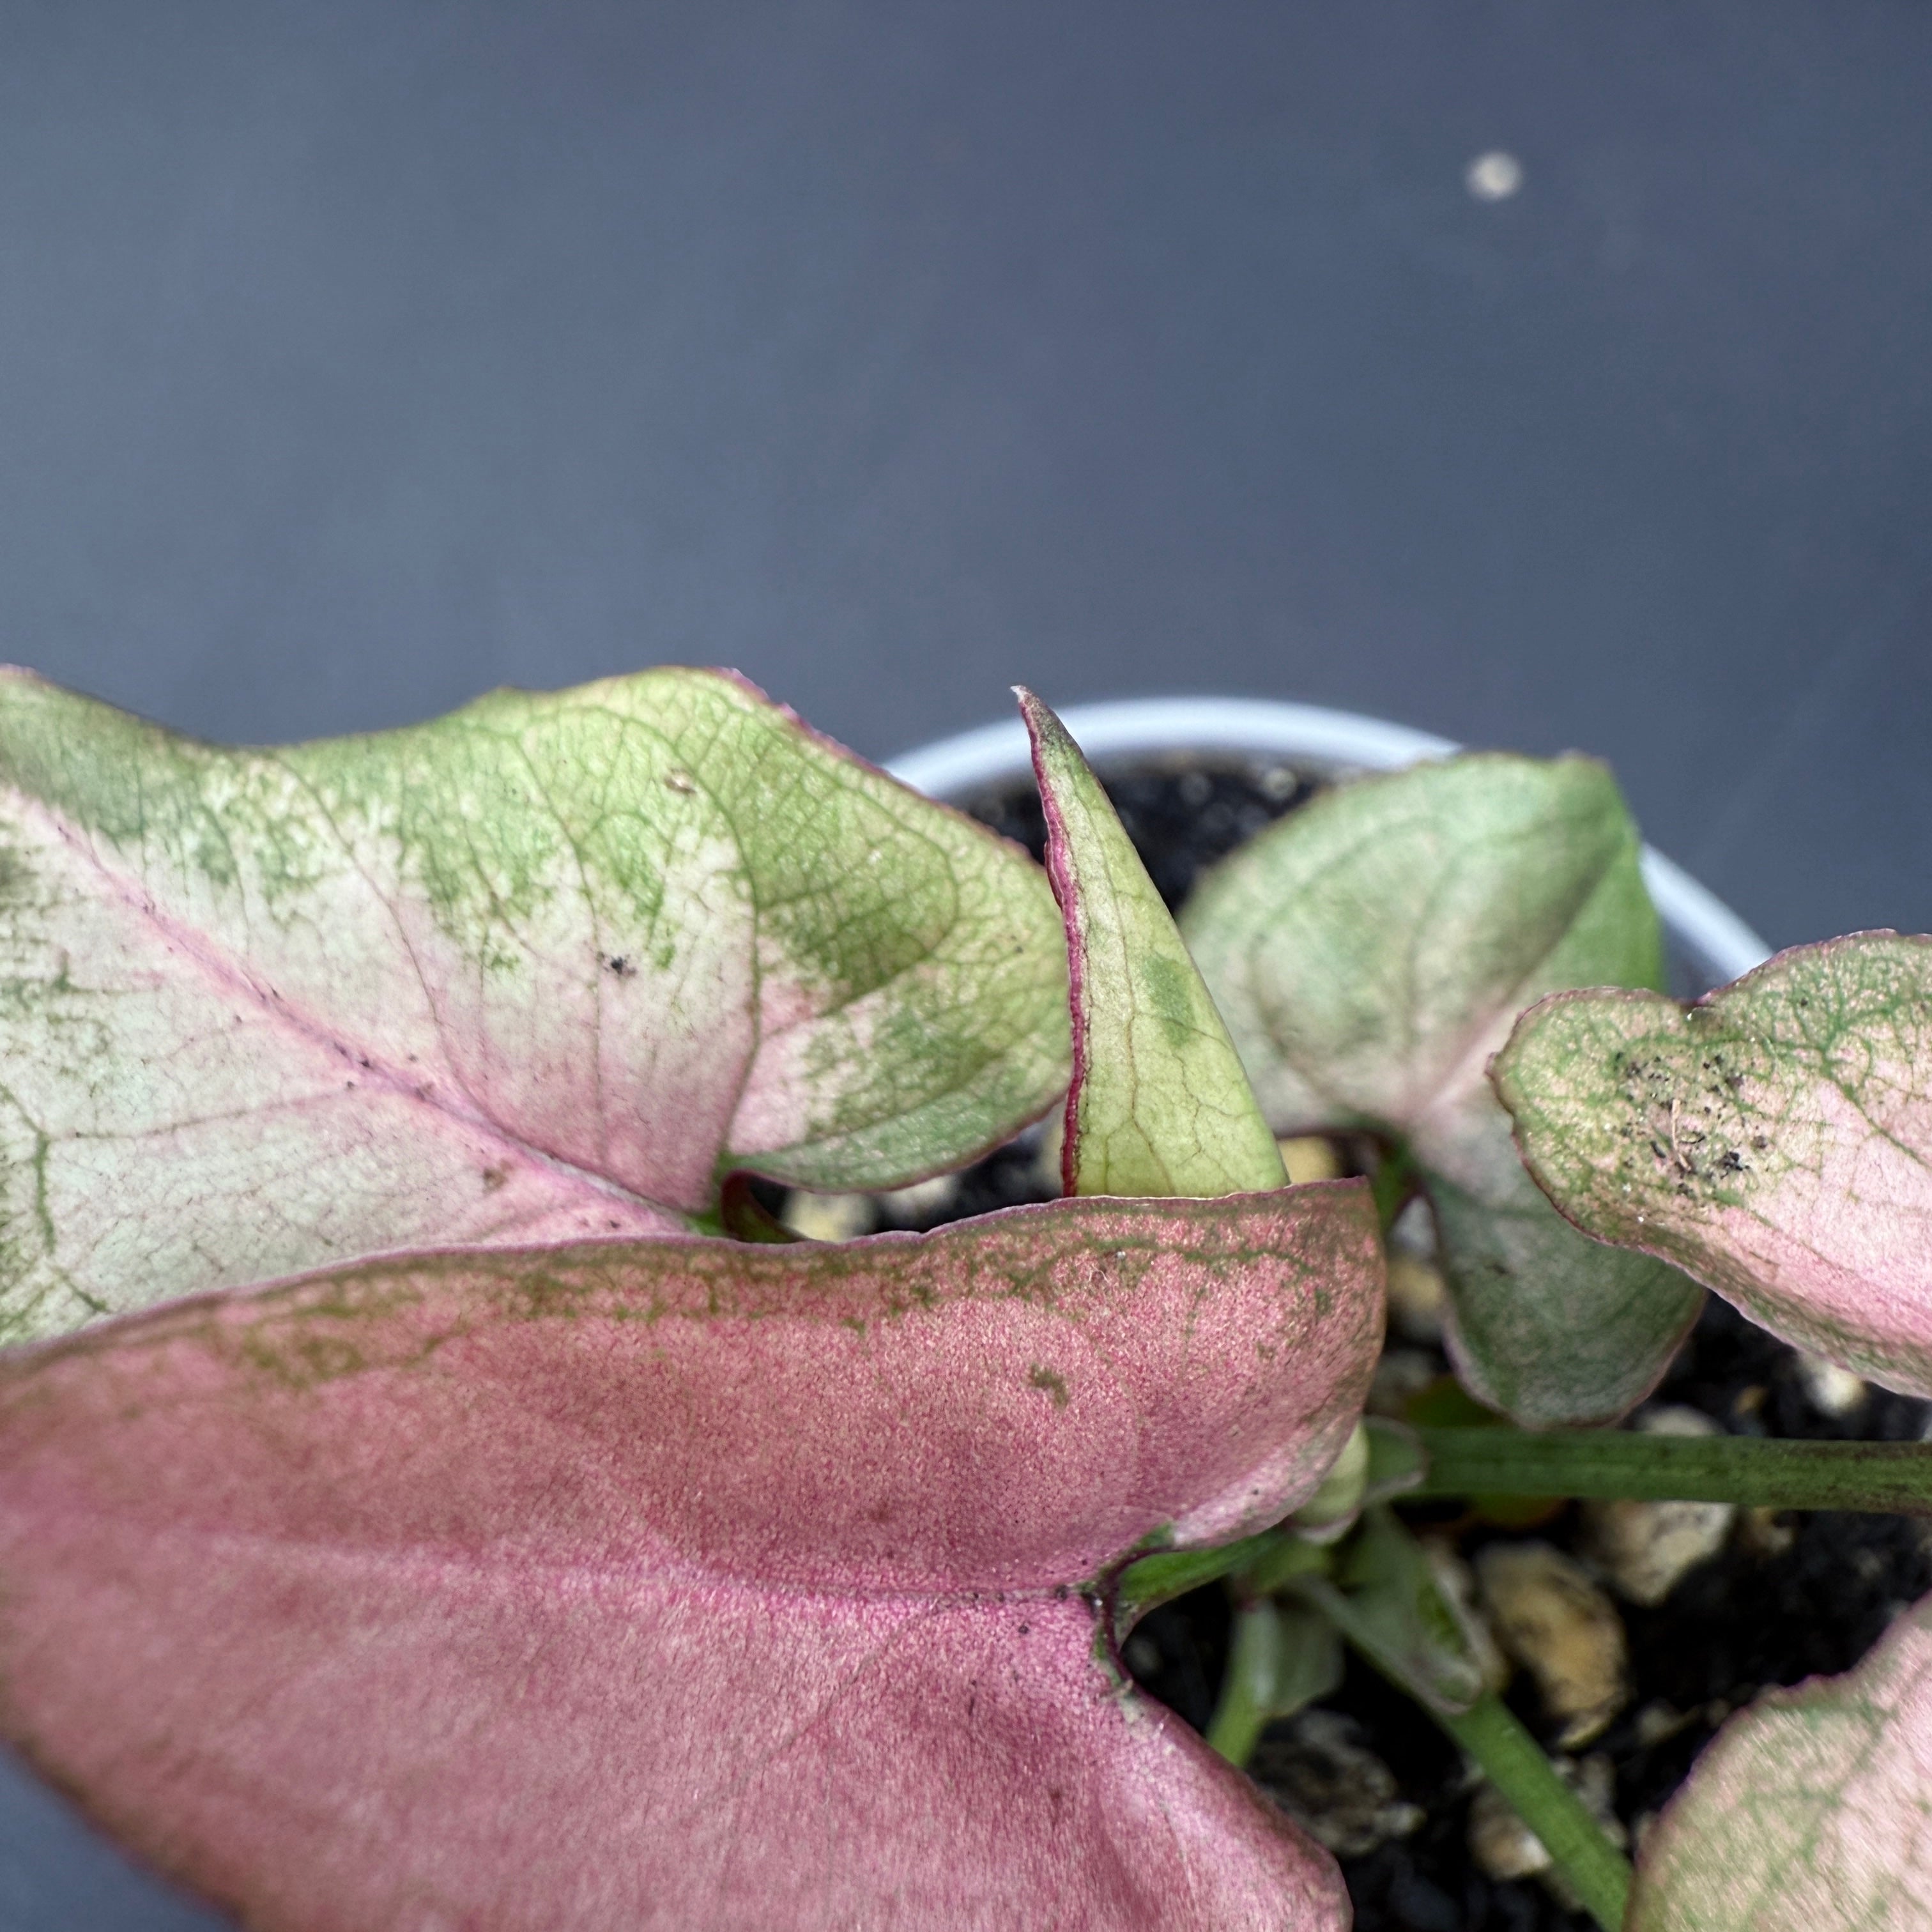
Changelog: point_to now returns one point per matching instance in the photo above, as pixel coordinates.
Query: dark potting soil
(1786, 1598)
(1797, 1595)
(1182, 816)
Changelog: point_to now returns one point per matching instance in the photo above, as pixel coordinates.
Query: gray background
(356, 357)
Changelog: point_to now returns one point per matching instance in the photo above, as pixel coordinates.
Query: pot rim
(1719, 943)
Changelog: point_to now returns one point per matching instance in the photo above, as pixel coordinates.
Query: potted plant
(1771, 1602)
(476, 1511)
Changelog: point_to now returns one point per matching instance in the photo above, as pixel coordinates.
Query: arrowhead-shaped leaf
(1159, 1103)
(1810, 1812)
(1775, 1140)
(543, 969)
(1370, 953)
(679, 1584)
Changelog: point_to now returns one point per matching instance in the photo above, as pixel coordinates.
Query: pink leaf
(676, 1583)
(1810, 1812)
(1773, 1140)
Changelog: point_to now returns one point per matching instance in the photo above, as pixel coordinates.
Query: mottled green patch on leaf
(545, 969)
(1160, 1105)
(1773, 1140)
(1370, 953)
(1048, 1382)
(422, 1582)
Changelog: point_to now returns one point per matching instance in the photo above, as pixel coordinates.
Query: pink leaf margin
(1773, 1139)
(679, 1584)
(1066, 896)
(1811, 1811)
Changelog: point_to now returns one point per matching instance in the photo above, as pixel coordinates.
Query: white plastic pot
(1714, 944)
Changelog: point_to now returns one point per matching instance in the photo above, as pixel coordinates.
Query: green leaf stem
(1282, 1657)
(1515, 1763)
(1883, 1476)
(1384, 1599)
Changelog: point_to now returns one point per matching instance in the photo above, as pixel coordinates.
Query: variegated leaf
(1370, 953)
(544, 968)
(1775, 1140)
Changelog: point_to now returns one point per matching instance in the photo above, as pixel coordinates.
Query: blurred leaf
(1370, 953)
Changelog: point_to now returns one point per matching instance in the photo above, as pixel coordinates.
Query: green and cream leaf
(1370, 953)
(544, 969)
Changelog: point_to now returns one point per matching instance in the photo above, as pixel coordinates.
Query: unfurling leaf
(1159, 1104)
(1775, 1140)
(544, 969)
(1332, 1511)
(1386, 1600)
(679, 1584)
(1811, 1811)
(1370, 953)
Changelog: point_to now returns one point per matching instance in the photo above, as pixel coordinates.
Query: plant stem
(1168, 1573)
(1875, 1476)
(1248, 1684)
(1509, 1756)
(1392, 1183)
(1271, 1558)
(1513, 1762)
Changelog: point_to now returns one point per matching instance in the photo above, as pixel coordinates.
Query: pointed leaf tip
(540, 970)
(1159, 1104)
(678, 1584)
(1774, 1140)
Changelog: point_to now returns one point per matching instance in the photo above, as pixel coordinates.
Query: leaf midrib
(232, 978)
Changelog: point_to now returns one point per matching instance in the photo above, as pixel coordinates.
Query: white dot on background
(1494, 176)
